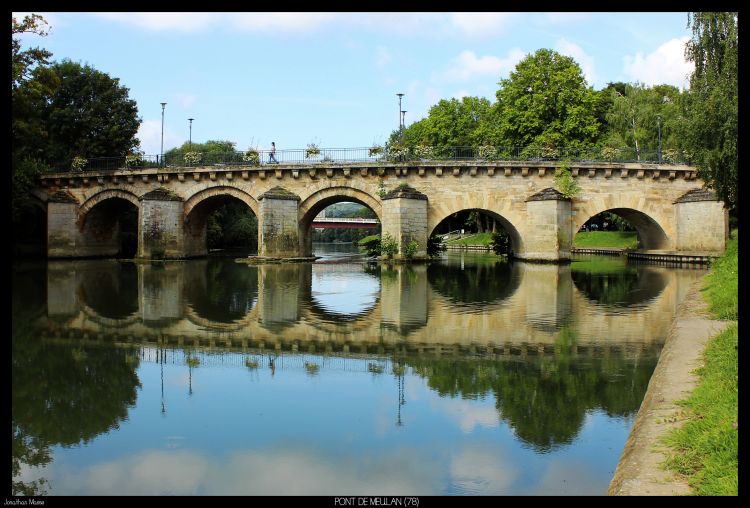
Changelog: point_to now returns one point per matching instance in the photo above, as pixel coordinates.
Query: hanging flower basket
(251, 156)
(192, 157)
(375, 150)
(79, 163)
(609, 153)
(312, 151)
(487, 152)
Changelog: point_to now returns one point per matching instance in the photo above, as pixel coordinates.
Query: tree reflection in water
(64, 396)
(545, 398)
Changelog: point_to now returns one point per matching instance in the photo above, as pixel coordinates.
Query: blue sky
(332, 78)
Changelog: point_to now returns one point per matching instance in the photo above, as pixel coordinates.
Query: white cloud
(273, 21)
(287, 472)
(149, 133)
(461, 94)
(482, 23)
(666, 65)
(467, 65)
(162, 21)
(435, 24)
(565, 18)
(468, 414)
(567, 48)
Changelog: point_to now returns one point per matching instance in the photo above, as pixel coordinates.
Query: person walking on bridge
(272, 154)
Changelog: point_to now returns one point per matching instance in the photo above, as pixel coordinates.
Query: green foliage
(453, 122)
(500, 242)
(435, 246)
(25, 172)
(546, 102)
(410, 249)
(712, 101)
(211, 151)
(23, 62)
(721, 288)
(89, 114)
(371, 245)
(388, 246)
(705, 448)
(232, 226)
(638, 113)
(565, 183)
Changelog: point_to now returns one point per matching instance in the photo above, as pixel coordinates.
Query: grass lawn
(606, 240)
(705, 449)
(473, 239)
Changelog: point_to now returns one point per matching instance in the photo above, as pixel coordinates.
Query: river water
(467, 376)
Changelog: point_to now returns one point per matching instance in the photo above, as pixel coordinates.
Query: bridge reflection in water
(492, 307)
(548, 347)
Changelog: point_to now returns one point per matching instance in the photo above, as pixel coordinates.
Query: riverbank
(692, 452)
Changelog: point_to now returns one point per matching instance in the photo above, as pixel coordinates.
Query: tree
(637, 114)
(23, 62)
(90, 114)
(28, 98)
(712, 106)
(546, 102)
(452, 122)
(218, 150)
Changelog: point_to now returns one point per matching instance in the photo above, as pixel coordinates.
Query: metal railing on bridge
(375, 155)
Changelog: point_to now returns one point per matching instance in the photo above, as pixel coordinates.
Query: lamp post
(400, 125)
(191, 134)
(658, 124)
(162, 132)
(403, 118)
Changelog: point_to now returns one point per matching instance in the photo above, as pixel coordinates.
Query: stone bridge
(665, 203)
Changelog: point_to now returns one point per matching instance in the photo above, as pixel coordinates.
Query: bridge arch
(108, 223)
(200, 205)
(650, 223)
(100, 197)
(436, 217)
(219, 190)
(311, 206)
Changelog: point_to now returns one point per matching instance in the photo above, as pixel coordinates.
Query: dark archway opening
(112, 226)
(476, 229)
(223, 226)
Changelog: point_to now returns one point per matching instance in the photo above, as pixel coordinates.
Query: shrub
(500, 242)
(388, 246)
(564, 181)
(435, 246)
(371, 245)
(410, 249)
